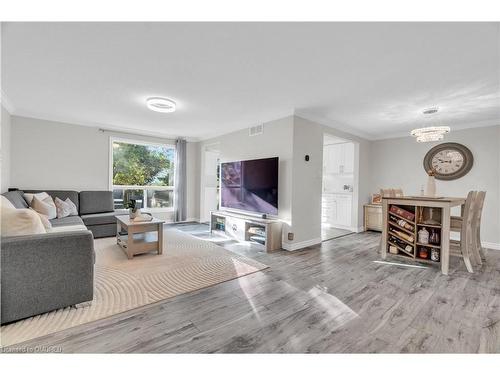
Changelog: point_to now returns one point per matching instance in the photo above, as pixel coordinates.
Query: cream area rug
(187, 264)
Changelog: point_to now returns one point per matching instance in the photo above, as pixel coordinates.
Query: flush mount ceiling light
(159, 104)
(430, 133)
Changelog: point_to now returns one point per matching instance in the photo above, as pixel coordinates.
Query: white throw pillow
(46, 207)
(45, 220)
(29, 196)
(19, 222)
(65, 208)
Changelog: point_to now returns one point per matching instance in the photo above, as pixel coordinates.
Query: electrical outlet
(290, 236)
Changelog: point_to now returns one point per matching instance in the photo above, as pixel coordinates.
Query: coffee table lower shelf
(142, 243)
(139, 237)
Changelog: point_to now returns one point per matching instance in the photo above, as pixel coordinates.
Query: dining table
(445, 204)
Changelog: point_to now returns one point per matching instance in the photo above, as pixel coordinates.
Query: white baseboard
(346, 227)
(490, 245)
(300, 245)
(484, 244)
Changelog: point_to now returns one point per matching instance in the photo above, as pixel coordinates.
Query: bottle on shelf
(435, 255)
(434, 237)
(423, 253)
(403, 235)
(402, 223)
(401, 243)
(423, 236)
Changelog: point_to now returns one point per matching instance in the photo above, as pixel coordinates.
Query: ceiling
(371, 79)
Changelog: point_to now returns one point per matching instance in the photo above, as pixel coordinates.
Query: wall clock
(449, 161)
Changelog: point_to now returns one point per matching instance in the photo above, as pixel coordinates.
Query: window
(144, 172)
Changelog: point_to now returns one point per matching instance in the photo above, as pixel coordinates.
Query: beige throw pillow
(45, 220)
(19, 222)
(46, 207)
(29, 196)
(65, 208)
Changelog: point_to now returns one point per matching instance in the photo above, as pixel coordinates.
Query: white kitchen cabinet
(336, 210)
(348, 157)
(339, 158)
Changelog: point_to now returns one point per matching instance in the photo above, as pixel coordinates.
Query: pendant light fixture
(430, 133)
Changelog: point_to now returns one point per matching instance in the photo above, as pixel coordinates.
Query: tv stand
(246, 228)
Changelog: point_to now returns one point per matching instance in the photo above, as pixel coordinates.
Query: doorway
(210, 181)
(339, 194)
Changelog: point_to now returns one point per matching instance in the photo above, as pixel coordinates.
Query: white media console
(264, 232)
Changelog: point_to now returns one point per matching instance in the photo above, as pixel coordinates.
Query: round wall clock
(449, 161)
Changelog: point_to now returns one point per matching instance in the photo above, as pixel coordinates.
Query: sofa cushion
(16, 198)
(65, 208)
(46, 207)
(61, 194)
(94, 202)
(99, 219)
(19, 221)
(68, 220)
(66, 228)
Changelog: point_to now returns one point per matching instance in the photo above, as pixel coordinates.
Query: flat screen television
(250, 185)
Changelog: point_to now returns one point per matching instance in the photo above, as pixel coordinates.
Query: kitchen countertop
(337, 192)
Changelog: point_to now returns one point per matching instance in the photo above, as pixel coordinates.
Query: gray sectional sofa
(53, 270)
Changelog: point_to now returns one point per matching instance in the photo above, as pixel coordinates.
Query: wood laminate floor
(328, 233)
(328, 298)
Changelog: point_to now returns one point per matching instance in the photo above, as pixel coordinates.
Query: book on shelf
(402, 212)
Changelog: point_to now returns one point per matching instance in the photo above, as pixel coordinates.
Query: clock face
(449, 161)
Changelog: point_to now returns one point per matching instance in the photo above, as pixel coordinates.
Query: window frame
(133, 141)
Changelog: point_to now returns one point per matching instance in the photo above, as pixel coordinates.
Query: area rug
(187, 264)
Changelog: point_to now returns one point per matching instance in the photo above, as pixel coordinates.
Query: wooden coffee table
(141, 236)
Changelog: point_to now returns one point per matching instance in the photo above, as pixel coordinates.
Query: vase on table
(134, 212)
(431, 185)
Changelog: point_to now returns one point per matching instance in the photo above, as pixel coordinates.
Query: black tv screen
(250, 185)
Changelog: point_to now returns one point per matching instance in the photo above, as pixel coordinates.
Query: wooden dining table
(444, 203)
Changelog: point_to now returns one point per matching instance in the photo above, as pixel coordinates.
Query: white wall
(277, 140)
(5, 134)
(307, 177)
(300, 182)
(362, 164)
(398, 163)
(53, 155)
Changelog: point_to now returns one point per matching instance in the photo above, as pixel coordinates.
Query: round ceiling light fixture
(430, 133)
(159, 104)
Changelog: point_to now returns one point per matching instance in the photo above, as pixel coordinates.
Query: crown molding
(101, 126)
(471, 125)
(6, 102)
(348, 130)
(387, 135)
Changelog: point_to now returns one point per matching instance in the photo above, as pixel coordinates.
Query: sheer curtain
(180, 181)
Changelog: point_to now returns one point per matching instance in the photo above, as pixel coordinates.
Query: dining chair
(456, 225)
(391, 193)
(464, 247)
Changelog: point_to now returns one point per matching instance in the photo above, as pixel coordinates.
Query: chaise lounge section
(49, 271)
